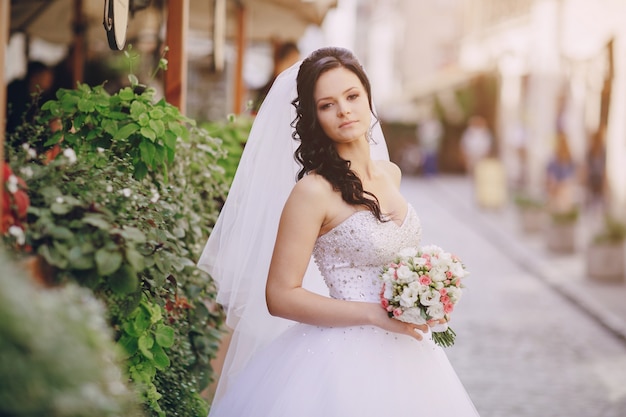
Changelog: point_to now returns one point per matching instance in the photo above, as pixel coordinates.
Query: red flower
(14, 204)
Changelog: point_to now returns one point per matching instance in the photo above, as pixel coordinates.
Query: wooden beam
(241, 50)
(5, 9)
(176, 41)
(78, 45)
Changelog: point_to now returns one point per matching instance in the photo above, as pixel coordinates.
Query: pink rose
(384, 302)
(397, 312)
(425, 280)
(448, 308)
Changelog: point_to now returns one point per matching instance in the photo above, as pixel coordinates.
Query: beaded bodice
(351, 256)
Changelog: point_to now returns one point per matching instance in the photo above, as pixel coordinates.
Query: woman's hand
(380, 318)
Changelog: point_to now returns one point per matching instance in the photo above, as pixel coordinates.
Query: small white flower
(26, 172)
(155, 197)
(70, 155)
(25, 146)
(32, 154)
(100, 150)
(126, 192)
(12, 184)
(18, 233)
(109, 188)
(59, 200)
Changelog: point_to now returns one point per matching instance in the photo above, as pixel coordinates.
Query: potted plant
(531, 213)
(606, 252)
(561, 230)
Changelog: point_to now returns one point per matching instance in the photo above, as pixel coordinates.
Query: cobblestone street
(523, 348)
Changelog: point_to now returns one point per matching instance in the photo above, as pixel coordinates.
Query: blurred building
(561, 70)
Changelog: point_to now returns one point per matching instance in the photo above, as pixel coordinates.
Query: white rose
(408, 297)
(405, 274)
(430, 297)
(435, 311)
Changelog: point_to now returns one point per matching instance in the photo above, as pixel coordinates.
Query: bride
(310, 337)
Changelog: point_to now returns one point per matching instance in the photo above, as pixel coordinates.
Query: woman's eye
(325, 106)
(353, 96)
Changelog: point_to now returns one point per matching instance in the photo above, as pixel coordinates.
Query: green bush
(57, 354)
(234, 132)
(125, 210)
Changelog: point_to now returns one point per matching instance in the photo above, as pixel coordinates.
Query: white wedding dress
(360, 371)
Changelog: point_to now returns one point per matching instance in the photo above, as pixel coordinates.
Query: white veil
(239, 249)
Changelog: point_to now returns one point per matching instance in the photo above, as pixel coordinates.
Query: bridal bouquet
(423, 284)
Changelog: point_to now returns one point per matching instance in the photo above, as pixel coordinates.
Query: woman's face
(342, 105)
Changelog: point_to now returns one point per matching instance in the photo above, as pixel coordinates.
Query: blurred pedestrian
(429, 135)
(285, 55)
(562, 174)
(595, 171)
(476, 142)
(25, 94)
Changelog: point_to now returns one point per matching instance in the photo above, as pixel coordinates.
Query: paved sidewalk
(565, 273)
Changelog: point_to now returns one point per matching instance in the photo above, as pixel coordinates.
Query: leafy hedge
(122, 200)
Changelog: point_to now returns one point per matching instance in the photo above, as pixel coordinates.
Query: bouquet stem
(444, 339)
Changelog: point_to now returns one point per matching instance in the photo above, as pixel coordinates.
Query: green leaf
(158, 127)
(142, 321)
(60, 208)
(52, 256)
(86, 105)
(97, 220)
(79, 260)
(108, 261)
(135, 259)
(145, 343)
(161, 361)
(60, 232)
(126, 94)
(141, 170)
(129, 344)
(124, 280)
(148, 133)
(126, 131)
(147, 151)
(164, 336)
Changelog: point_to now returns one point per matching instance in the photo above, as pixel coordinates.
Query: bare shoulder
(312, 186)
(310, 198)
(390, 169)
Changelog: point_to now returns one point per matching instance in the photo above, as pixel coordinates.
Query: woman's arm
(303, 216)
